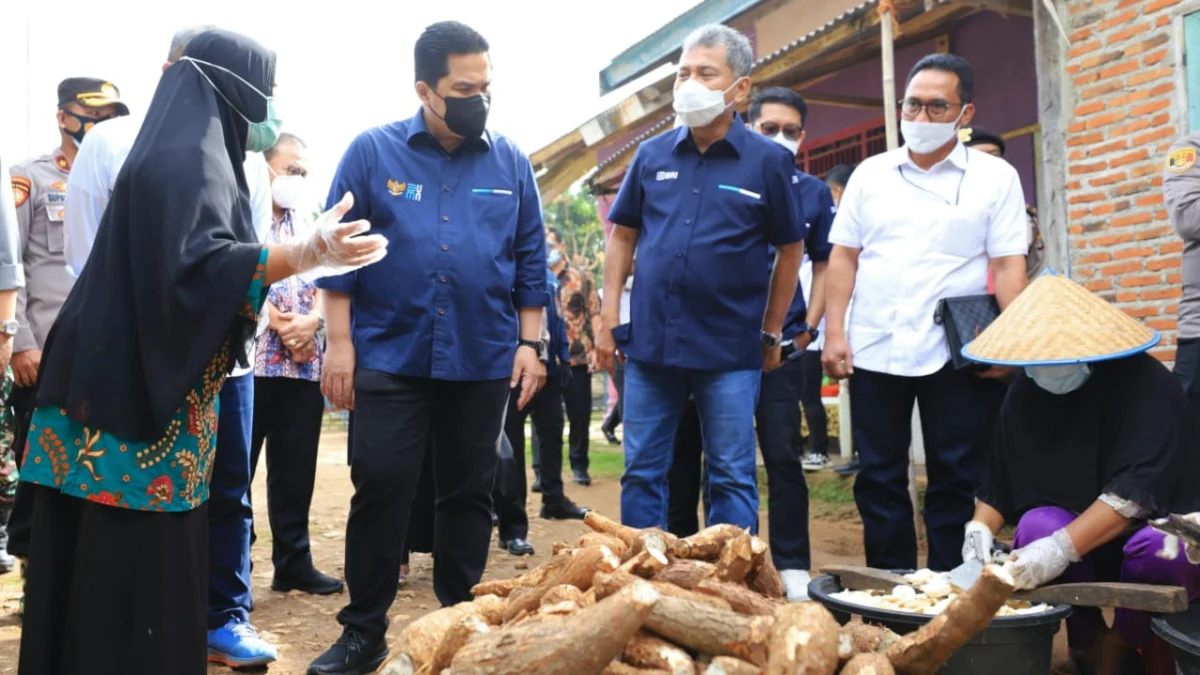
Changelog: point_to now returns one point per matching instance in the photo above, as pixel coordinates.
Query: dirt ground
(303, 626)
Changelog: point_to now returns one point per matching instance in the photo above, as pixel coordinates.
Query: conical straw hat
(1056, 321)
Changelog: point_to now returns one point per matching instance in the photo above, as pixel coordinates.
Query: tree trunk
(712, 631)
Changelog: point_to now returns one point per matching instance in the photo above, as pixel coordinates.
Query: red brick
(1159, 264)
(1117, 20)
(1164, 355)
(1162, 324)
(1081, 34)
(1108, 179)
(1134, 280)
(1150, 200)
(1120, 268)
(1157, 181)
(1125, 34)
(1145, 170)
(1173, 308)
(1111, 240)
(1156, 135)
(1127, 98)
(1126, 296)
(1152, 233)
(1162, 20)
(1074, 185)
(1101, 90)
(1084, 79)
(1074, 229)
(1127, 253)
(1146, 45)
(1084, 48)
(1141, 312)
(1150, 75)
(1078, 169)
(1155, 58)
(1129, 158)
(1099, 285)
(1089, 108)
(1174, 278)
(1104, 209)
(1157, 5)
(1161, 214)
(1168, 293)
(1161, 118)
(1125, 3)
(1106, 119)
(1132, 219)
(1151, 107)
(1101, 59)
(1126, 129)
(1076, 128)
(1163, 88)
(1075, 154)
(1076, 215)
(1085, 139)
(1132, 188)
(1122, 68)
(1087, 198)
(1095, 258)
(1170, 247)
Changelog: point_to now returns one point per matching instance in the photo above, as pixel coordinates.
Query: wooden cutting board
(1144, 597)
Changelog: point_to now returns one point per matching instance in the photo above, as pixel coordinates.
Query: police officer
(39, 188)
(1181, 188)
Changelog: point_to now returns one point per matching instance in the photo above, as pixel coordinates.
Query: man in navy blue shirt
(702, 204)
(446, 326)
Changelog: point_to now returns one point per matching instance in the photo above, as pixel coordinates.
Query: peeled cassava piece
(650, 651)
(577, 572)
(645, 564)
(535, 577)
(712, 631)
(611, 527)
(618, 547)
(421, 638)
(857, 637)
(928, 648)
(586, 642)
(804, 639)
(736, 559)
(763, 577)
(868, 664)
(707, 543)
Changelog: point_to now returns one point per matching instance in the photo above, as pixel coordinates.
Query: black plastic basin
(1182, 632)
(1010, 644)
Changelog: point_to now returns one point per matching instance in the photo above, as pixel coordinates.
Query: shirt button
(441, 310)
(678, 255)
(446, 188)
(695, 191)
(445, 219)
(445, 247)
(442, 278)
(688, 221)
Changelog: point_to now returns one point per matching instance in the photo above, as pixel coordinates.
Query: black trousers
(685, 480)
(394, 416)
(958, 414)
(112, 591)
(578, 398)
(777, 421)
(1187, 369)
(287, 419)
(546, 412)
(811, 373)
(21, 519)
(618, 377)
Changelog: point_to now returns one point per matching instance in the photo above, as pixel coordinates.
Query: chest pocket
(55, 238)
(493, 213)
(736, 204)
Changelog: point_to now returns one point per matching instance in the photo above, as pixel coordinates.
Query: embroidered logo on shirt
(666, 175)
(1181, 160)
(410, 191)
(795, 179)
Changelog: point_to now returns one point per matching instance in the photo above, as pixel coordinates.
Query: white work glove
(331, 247)
(1042, 561)
(977, 543)
(1192, 553)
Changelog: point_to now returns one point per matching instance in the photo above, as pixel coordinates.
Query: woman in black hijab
(122, 439)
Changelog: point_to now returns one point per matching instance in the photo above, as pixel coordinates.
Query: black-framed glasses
(790, 131)
(937, 108)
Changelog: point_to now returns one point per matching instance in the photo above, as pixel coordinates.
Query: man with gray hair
(703, 204)
(231, 639)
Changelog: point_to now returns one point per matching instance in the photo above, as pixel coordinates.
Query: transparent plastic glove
(1043, 561)
(331, 247)
(977, 543)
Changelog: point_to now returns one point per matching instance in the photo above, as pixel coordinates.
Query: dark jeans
(1187, 369)
(685, 480)
(814, 410)
(777, 421)
(394, 416)
(21, 520)
(287, 418)
(230, 516)
(578, 398)
(546, 411)
(618, 377)
(958, 413)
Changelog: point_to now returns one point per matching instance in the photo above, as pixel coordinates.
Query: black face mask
(85, 125)
(467, 116)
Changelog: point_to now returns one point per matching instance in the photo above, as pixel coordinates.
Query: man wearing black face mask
(445, 327)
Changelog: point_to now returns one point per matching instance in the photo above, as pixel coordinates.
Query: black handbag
(964, 318)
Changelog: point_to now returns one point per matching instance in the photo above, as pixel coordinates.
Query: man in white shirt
(232, 640)
(916, 225)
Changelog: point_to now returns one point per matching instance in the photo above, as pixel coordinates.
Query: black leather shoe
(582, 477)
(517, 547)
(611, 437)
(314, 583)
(537, 485)
(353, 654)
(564, 510)
(848, 469)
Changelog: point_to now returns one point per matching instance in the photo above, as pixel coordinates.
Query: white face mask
(786, 142)
(289, 191)
(698, 106)
(1060, 379)
(926, 137)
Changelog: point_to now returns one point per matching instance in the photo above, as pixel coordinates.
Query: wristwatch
(771, 339)
(9, 327)
(536, 345)
(812, 332)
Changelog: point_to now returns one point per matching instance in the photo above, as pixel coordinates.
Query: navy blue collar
(733, 143)
(418, 129)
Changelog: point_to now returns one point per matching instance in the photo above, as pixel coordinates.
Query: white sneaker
(814, 462)
(795, 584)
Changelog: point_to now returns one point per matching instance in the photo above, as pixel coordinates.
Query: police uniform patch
(1181, 160)
(59, 186)
(20, 190)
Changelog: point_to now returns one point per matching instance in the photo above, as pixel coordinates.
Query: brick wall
(1127, 113)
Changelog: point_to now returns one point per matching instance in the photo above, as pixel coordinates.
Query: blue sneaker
(238, 645)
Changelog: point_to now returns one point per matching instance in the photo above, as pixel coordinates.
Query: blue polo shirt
(466, 249)
(706, 224)
(816, 203)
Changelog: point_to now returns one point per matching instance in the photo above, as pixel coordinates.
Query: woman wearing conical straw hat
(1095, 437)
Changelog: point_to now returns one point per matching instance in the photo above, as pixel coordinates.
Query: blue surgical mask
(261, 135)
(1060, 379)
(553, 257)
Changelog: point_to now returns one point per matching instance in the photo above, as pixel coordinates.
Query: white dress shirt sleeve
(258, 180)
(847, 223)
(90, 185)
(1008, 230)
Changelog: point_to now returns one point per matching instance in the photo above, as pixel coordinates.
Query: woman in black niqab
(124, 430)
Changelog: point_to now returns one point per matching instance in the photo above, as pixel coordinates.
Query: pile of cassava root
(621, 601)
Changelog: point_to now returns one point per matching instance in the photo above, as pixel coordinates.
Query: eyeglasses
(790, 131)
(937, 108)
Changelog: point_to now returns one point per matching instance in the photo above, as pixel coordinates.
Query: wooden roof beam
(547, 155)
(1009, 7)
(564, 174)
